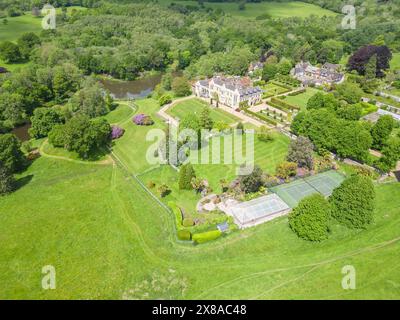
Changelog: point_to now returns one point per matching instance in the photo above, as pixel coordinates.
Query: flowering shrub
(116, 132)
(143, 120)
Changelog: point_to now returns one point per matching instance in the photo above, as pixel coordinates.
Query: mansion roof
(242, 85)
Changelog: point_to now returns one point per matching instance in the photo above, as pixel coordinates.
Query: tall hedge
(353, 202)
(206, 236)
(309, 220)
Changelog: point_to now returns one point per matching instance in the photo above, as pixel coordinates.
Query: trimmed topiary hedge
(284, 104)
(184, 235)
(206, 236)
(262, 117)
(188, 222)
(178, 215)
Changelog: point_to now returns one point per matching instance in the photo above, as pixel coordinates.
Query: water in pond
(22, 132)
(135, 89)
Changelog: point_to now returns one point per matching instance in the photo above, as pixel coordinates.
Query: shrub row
(284, 104)
(262, 117)
(283, 85)
(296, 93)
(287, 80)
(178, 215)
(267, 95)
(206, 236)
(272, 104)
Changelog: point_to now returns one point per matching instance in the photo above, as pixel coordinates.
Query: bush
(206, 236)
(116, 132)
(165, 99)
(188, 222)
(353, 202)
(151, 184)
(164, 190)
(309, 220)
(284, 104)
(184, 235)
(286, 169)
(142, 120)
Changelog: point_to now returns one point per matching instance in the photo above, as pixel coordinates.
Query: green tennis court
(323, 183)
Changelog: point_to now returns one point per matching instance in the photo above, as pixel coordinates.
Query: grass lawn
(272, 89)
(302, 98)
(108, 239)
(273, 9)
(195, 106)
(13, 66)
(131, 147)
(17, 26)
(121, 113)
(395, 62)
(266, 155)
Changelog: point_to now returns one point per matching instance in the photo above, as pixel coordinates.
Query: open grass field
(302, 98)
(195, 106)
(108, 239)
(17, 26)
(273, 9)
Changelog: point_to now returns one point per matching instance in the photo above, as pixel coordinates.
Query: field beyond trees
(273, 9)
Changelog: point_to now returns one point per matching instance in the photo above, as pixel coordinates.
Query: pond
(22, 132)
(135, 89)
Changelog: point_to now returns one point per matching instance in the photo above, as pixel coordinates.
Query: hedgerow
(206, 236)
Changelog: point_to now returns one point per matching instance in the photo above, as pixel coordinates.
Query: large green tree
(10, 152)
(381, 131)
(82, 135)
(186, 174)
(27, 43)
(301, 151)
(309, 220)
(10, 52)
(353, 202)
(7, 181)
(90, 100)
(181, 86)
(43, 120)
(253, 181)
(390, 154)
(206, 122)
